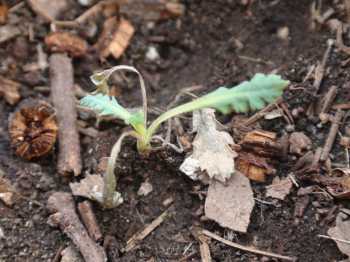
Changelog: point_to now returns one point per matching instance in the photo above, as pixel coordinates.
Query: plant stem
(109, 179)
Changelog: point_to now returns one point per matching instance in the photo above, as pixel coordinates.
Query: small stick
(135, 239)
(335, 239)
(63, 98)
(332, 135)
(204, 248)
(328, 99)
(321, 68)
(61, 205)
(245, 248)
(254, 118)
(89, 220)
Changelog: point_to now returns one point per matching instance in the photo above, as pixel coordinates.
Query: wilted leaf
(91, 187)
(211, 149)
(230, 205)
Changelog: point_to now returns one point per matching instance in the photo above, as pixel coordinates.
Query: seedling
(247, 96)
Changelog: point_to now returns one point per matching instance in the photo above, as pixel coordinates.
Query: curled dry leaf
(9, 90)
(33, 129)
(230, 205)
(254, 167)
(91, 187)
(341, 230)
(211, 149)
(66, 42)
(115, 37)
(299, 143)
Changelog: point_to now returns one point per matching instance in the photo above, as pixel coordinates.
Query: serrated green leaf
(106, 106)
(248, 96)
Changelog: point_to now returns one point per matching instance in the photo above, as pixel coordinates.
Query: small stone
(290, 128)
(283, 33)
(85, 2)
(152, 54)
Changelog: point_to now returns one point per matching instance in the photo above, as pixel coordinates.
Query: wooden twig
(321, 67)
(89, 220)
(335, 239)
(135, 239)
(327, 100)
(63, 98)
(254, 118)
(332, 135)
(204, 248)
(245, 248)
(61, 204)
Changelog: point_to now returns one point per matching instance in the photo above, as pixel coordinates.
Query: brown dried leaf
(299, 143)
(66, 42)
(9, 90)
(115, 37)
(33, 129)
(254, 167)
(280, 188)
(230, 205)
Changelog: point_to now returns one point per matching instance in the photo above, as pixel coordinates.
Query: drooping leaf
(247, 96)
(105, 105)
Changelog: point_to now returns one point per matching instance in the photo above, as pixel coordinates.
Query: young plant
(247, 96)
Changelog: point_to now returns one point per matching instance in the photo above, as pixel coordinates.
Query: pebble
(152, 53)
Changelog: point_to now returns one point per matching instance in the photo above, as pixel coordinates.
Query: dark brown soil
(199, 48)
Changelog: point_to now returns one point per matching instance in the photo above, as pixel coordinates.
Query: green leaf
(248, 96)
(105, 105)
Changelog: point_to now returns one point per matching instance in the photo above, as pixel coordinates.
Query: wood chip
(280, 188)
(66, 42)
(230, 205)
(115, 37)
(9, 90)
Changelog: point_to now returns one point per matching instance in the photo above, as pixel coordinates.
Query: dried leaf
(280, 188)
(341, 231)
(9, 90)
(262, 143)
(299, 143)
(115, 37)
(211, 149)
(66, 42)
(230, 205)
(91, 187)
(254, 167)
(48, 9)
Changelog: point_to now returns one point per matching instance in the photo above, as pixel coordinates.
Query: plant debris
(3, 13)
(7, 193)
(211, 149)
(145, 189)
(8, 32)
(280, 188)
(33, 129)
(299, 143)
(341, 231)
(49, 10)
(66, 42)
(91, 187)
(9, 90)
(115, 37)
(61, 205)
(230, 205)
(70, 254)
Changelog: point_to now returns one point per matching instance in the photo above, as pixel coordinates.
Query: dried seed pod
(33, 129)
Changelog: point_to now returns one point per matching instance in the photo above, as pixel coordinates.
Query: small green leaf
(249, 95)
(106, 106)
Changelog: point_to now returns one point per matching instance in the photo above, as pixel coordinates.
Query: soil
(199, 49)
